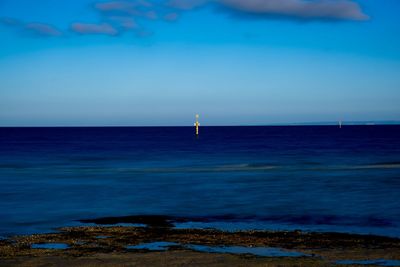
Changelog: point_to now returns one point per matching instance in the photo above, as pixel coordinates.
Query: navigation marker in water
(197, 124)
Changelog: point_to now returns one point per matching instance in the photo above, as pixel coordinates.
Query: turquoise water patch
(154, 246)
(50, 246)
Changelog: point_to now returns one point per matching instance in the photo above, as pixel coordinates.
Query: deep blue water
(309, 177)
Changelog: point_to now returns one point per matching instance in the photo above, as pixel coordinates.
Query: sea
(310, 178)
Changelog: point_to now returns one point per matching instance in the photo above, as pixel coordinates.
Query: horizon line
(330, 123)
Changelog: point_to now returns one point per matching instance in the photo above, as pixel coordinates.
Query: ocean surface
(315, 178)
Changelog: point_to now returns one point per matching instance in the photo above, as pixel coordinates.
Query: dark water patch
(316, 219)
(14, 166)
(49, 246)
(149, 220)
(319, 219)
(203, 169)
(94, 159)
(379, 262)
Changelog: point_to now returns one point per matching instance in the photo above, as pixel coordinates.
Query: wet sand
(108, 246)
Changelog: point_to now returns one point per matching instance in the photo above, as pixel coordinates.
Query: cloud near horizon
(42, 29)
(289, 9)
(117, 17)
(31, 28)
(90, 28)
(308, 10)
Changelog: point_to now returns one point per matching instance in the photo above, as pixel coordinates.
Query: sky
(234, 62)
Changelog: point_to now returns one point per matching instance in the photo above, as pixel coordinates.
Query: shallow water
(257, 251)
(318, 178)
(50, 246)
(380, 262)
(154, 246)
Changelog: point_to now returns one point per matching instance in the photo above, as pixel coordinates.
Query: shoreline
(110, 245)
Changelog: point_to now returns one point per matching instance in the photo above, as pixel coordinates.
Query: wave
(248, 167)
(385, 165)
(242, 167)
(221, 168)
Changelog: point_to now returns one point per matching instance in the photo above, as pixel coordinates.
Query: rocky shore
(111, 245)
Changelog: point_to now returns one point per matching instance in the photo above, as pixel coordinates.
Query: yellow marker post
(197, 124)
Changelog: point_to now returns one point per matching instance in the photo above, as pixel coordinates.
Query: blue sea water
(318, 178)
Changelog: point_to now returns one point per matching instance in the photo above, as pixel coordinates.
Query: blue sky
(235, 62)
